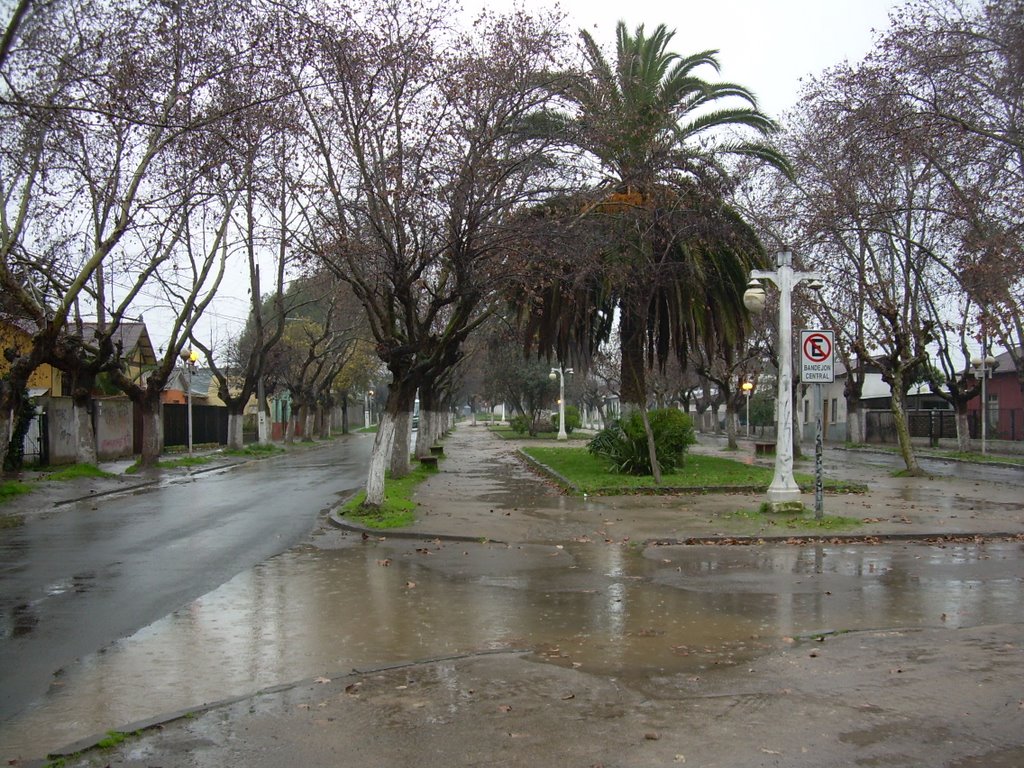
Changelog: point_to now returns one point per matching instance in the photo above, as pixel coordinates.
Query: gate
(209, 425)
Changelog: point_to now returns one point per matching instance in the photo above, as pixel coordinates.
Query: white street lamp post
(783, 489)
(984, 364)
(747, 389)
(559, 373)
(188, 364)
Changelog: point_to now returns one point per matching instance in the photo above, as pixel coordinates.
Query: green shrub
(572, 419)
(623, 443)
(519, 424)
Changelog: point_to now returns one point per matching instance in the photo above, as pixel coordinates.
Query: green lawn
(591, 475)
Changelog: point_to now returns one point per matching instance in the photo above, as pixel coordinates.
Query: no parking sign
(817, 358)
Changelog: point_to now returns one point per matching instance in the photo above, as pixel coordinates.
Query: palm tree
(674, 258)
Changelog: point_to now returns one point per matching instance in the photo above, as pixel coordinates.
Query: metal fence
(1003, 424)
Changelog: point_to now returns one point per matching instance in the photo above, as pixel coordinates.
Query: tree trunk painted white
(400, 465)
(289, 428)
(152, 434)
(309, 430)
(425, 434)
(963, 431)
(85, 435)
(379, 458)
(262, 417)
(854, 423)
(236, 440)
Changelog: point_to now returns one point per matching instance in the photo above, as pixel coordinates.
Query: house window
(992, 411)
(832, 413)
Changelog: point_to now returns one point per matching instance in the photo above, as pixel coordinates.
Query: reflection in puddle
(606, 609)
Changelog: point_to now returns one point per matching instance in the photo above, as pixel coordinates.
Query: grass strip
(255, 450)
(11, 489)
(76, 471)
(937, 453)
(397, 510)
(507, 433)
(589, 474)
(186, 461)
(764, 521)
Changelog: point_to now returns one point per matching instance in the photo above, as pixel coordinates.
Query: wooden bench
(764, 448)
(429, 461)
(437, 450)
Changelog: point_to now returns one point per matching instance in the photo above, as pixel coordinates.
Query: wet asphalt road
(78, 577)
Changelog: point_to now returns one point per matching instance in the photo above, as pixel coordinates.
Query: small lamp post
(784, 490)
(559, 373)
(984, 364)
(188, 365)
(367, 413)
(747, 388)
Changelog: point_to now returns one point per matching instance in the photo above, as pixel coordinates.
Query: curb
(340, 522)
(866, 538)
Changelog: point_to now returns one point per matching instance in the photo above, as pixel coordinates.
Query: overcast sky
(764, 45)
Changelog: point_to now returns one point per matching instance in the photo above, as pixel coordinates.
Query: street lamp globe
(988, 363)
(553, 375)
(754, 297)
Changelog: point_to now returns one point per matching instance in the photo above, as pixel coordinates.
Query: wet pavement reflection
(608, 608)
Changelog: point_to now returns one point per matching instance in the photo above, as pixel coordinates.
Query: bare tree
(958, 65)
(110, 104)
(418, 132)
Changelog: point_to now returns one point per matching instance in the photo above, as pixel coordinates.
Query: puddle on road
(604, 608)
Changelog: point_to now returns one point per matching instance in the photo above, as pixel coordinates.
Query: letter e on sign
(817, 361)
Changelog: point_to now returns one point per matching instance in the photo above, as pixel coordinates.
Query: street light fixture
(559, 373)
(367, 413)
(188, 365)
(747, 388)
(984, 364)
(784, 490)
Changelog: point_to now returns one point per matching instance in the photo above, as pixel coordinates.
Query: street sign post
(817, 367)
(817, 358)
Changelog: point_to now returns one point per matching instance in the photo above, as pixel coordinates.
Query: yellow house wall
(43, 377)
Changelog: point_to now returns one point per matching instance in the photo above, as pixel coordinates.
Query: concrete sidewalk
(484, 490)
